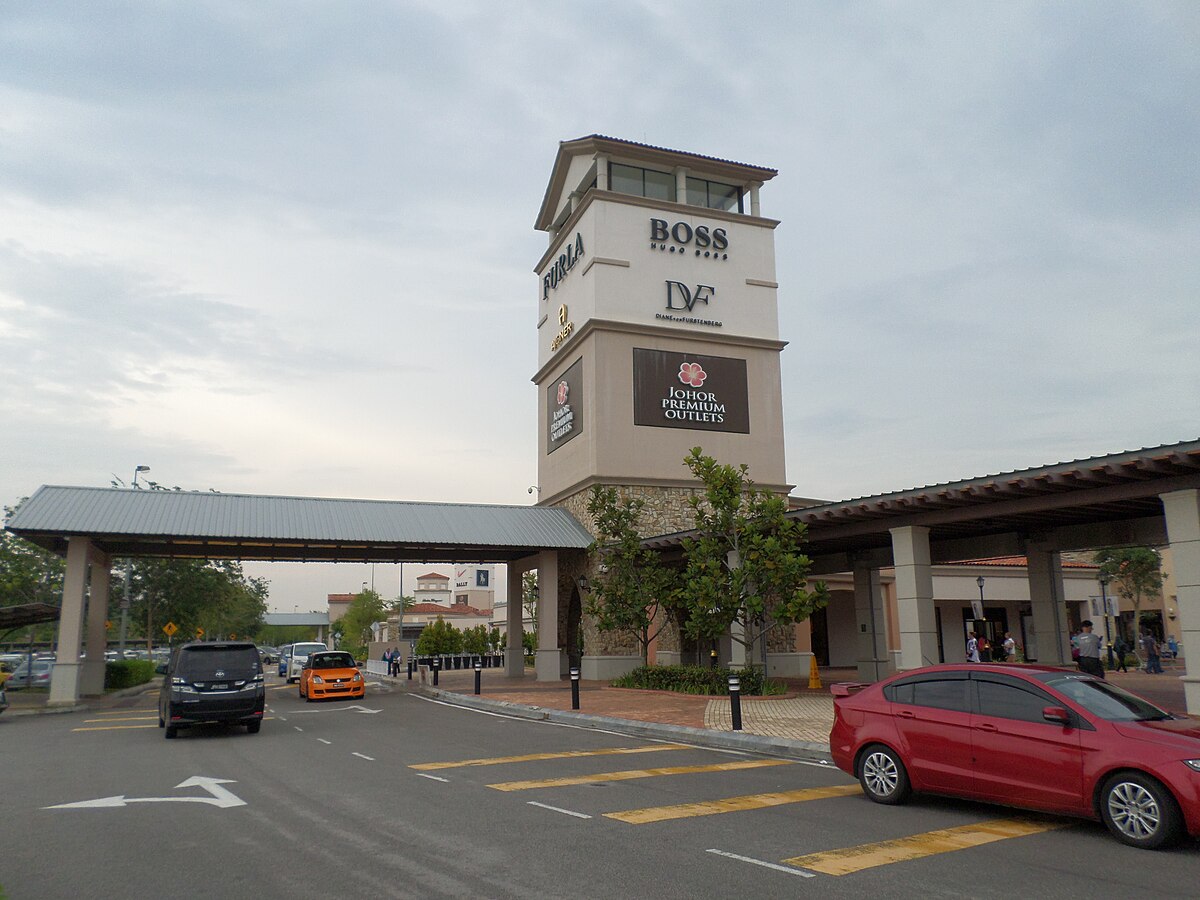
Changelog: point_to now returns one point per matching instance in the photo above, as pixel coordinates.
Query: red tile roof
(457, 610)
(437, 575)
(1022, 561)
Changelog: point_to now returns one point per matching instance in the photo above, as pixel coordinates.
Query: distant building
(475, 586)
(432, 587)
(338, 604)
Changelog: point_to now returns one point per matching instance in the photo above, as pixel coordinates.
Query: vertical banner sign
(687, 390)
(564, 407)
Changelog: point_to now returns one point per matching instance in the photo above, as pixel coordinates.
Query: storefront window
(641, 182)
(714, 195)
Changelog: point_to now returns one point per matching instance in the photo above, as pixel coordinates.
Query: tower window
(641, 182)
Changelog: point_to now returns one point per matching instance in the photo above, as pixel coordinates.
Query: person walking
(395, 662)
(1010, 648)
(972, 647)
(1120, 648)
(1150, 648)
(1173, 647)
(1088, 645)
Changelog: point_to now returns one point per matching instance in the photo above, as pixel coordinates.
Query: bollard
(735, 701)
(436, 665)
(574, 689)
(478, 675)
(410, 668)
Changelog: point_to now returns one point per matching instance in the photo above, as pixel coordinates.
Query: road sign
(170, 628)
(199, 632)
(232, 636)
(108, 626)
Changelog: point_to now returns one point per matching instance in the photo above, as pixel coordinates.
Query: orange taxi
(331, 674)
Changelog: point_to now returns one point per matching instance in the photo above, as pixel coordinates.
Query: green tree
(29, 574)
(215, 596)
(362, 612)
(633, 593)
(746, 566)
(439, 638)
(495, 640)
(475, 640)
(1135, 572)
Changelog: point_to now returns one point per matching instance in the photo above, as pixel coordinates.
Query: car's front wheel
(883, 776)
(1139, 811)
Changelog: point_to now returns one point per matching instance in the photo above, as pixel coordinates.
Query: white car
(300, 654)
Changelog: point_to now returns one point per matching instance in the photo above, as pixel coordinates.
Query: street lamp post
(128, 571)
(1107, 630)
(979, 581)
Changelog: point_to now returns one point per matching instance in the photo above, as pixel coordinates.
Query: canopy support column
(914, 597)
(549, 655)
(1182, 511)
(65, 677)
(92, 680)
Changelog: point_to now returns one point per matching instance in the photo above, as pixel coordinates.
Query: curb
(809, 751)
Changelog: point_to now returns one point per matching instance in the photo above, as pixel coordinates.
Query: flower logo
(562, 392)
(692, 374)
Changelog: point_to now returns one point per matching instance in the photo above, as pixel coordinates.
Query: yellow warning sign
(199, 632)
(108, 626)
(170, 628)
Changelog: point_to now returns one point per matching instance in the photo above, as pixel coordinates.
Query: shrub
(126, 673)
(697, 680)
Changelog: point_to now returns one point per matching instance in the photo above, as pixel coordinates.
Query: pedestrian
(387, 660)
(1173, 647)
(1150, 649)
(972, 647)
(396, 662)
(1120, 648)
(1010, 648)
(1088, 645)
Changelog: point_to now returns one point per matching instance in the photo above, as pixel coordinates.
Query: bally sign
(685, 390)
(564, 407)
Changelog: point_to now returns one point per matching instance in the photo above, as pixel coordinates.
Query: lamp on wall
(585, 585)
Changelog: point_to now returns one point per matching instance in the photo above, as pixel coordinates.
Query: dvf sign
(678, 291)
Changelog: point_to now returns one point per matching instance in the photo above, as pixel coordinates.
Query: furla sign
(561, 267)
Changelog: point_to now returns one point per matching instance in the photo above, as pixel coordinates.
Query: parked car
(332, 673)
(1034, 737)
(269, 655)
(298, 658)
(285, 657)
(42, 669)
(213, 681)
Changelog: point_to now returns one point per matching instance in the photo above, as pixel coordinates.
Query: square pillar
(92, 680)
(874, 661)
(1182, 512)
(548, 663)
(514, 652)
(1046, 596)
(914, 597)
(65, 676)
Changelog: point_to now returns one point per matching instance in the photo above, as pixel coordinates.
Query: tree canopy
(745, 566)
(1135, 573)
(633, 590)
(354, 627)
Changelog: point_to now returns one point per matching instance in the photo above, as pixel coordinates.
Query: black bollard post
(478, 675)
(410, 668)
(735, 701)
(436, 666)
(574, 689)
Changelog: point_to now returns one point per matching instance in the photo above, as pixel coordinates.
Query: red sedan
(1028, 736)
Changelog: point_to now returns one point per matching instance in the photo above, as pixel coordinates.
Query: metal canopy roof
(1098, 491)
(27, 614)
(123, 522)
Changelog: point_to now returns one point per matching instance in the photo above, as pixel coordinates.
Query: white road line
(565, 812)
(297, 727)
(282, 719)
(367, 758)
(323, 741)
(765, 865)
(434, 778)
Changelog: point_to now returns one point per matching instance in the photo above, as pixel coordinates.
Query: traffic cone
(814, 677)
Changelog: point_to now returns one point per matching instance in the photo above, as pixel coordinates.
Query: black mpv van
(213, 681)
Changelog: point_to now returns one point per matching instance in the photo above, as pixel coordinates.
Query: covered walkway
(92, 526)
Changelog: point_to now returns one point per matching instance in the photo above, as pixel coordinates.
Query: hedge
(126, 673)
(697, 680)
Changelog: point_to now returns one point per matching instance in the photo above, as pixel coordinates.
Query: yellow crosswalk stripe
(125, 712)
(636, 773)
(127, 727)
(730, 804)
(123, 719)
(534, 757)
(866, 856)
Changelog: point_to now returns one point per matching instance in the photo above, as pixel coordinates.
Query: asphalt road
(334, 801)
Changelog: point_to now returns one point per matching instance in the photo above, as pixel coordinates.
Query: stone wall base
(668, 658)
(606, 668)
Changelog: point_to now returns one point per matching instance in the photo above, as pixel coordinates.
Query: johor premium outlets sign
(565, 407)
(685, 390)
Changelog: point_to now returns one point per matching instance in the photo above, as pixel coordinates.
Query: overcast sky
(287, 247)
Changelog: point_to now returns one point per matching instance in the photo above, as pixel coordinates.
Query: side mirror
(1059, 715)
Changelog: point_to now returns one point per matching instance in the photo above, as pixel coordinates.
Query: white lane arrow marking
(222, 797)
(355, 708)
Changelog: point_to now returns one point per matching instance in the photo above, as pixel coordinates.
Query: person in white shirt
(972, 647)
(1010, 648)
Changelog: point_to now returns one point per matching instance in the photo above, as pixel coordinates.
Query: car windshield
(306, 649)
(203, 662)
(333, 661)
(1103, 699)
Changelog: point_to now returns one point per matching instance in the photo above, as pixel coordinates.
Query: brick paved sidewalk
(802, 715)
